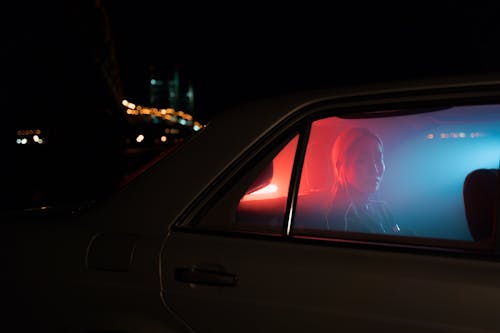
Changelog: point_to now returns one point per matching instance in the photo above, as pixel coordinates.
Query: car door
(262, 258)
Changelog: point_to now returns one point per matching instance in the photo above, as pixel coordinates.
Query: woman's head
(358, 163)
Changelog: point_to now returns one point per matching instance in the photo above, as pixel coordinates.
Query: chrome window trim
(293, 189)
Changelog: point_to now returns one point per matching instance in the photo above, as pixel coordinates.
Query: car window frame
(380, 104)
(262, 155)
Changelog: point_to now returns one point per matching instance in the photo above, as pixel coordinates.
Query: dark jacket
(370, 217)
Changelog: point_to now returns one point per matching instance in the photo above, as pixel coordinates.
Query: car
(234, 230)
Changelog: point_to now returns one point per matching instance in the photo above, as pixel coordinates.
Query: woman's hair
(341, 148)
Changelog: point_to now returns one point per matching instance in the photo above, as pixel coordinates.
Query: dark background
(238, 53)
(235, 54)
(58, 60)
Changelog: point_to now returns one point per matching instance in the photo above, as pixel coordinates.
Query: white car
(241, 229)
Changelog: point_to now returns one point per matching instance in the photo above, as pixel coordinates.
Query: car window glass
(256, 202)
(429, 175)
(263, 205)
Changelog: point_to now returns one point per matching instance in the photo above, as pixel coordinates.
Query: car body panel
(297, 286)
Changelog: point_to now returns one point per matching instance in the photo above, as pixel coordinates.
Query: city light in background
(168, 114)
(30, 136)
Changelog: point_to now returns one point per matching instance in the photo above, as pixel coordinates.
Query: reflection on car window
(403, 175)
(264, 204)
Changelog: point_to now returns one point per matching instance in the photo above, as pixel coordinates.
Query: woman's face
(365, 166)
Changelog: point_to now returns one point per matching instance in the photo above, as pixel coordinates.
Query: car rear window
(263, 205)
(256, 202)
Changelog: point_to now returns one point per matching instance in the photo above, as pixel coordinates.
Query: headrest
(480, 196)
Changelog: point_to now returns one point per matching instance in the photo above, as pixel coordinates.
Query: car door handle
(205, 277)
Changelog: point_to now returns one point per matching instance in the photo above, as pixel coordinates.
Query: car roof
(162, 193)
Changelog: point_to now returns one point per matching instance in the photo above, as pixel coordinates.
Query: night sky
(238, 53)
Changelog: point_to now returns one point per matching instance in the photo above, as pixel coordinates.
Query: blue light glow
(424, 178)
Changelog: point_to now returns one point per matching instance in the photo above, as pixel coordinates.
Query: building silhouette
(171, 90)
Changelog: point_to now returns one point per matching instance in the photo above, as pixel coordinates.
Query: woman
(358, 165)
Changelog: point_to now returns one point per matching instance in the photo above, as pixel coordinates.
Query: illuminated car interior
(427, 156)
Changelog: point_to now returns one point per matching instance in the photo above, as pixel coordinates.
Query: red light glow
(282, 171)
(271, 188)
